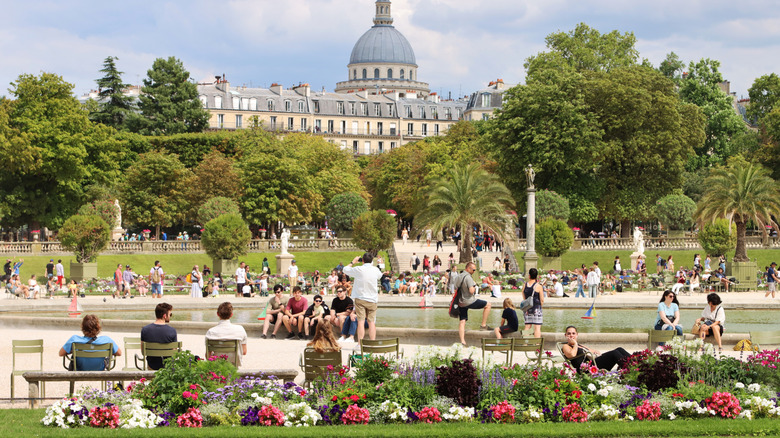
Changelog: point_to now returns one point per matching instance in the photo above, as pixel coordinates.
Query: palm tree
(740, 193)
(465, 197)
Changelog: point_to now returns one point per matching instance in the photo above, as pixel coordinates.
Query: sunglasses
(278, 292)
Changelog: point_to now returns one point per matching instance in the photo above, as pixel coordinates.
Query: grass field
(23, 423)
(182, 263)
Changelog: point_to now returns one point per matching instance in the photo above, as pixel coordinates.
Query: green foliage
(764, 96)
(374, 231)
(467, 196)
(404, 391)
(113, 106)
(169, 102)
(105, 209)
(215, 176)
(375, 370)
(343, 209)
(718, 237)
(153, 191)
(672, 67)
(226, 237)
(553, 238)
(675, 211)
(551, 205)
(215, 207)
(50, 151)
(86, 236)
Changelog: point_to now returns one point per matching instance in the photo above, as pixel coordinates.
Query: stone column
(530, 258)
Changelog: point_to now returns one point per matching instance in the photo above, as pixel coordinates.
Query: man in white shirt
(225, 330)
(365, 293)
(556, 290)
(60, 270)
(292, 274)
(240, 279)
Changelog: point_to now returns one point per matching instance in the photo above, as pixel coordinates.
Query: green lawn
(182, 263)
(22, 422)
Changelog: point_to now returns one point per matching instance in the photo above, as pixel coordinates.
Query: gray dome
(382, 43)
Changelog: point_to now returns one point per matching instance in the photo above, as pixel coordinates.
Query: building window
(352, 108)
(340, 107)
(239, 120)
(392, 129)
(411, 75)
(343, 144)
(354, 74)
(422, 112)
(377, 109)
(436, 129)
(290, 123)
(389, 110)
(317, 106)
(330, 125)
(220, 121)
(424, 129)
(368, 128)
(448, 113)
(273, 123)
(408, 109)
(367, 148)
(485, 116)
(355, 128)
(376, 73)
(303, 124)
(300, 106)
(288, 106)
(244, 103)
(402, 74)
(204, 101)
(381, 147)
(271, 105)
(355, 147)
(363, 109)
(253, 104)
(318, 125)
(236, 103)
(379, 128)
(217, 101)
(365, 74)
(460, 113)
(392, 145)
(434, 113)
(389, 74)
(410, 129)
(485, 100)
(343, 127)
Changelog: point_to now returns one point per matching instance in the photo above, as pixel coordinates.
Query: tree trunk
(157, 233)
(465, 248)
(625, 228)
(741, 253)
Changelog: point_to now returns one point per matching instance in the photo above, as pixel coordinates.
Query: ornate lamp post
(530, 258)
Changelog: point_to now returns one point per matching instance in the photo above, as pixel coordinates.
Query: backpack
(156, 276)
(417, 261)
(453, 308)
(188, 279)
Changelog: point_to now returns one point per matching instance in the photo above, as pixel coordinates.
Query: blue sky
(460, 45)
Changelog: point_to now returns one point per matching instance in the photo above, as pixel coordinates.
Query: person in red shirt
(293, 313)
(118, 281)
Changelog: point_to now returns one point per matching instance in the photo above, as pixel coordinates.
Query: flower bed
(438, 385)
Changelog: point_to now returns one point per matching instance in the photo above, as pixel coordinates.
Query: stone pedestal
(117, 233)
(530, 261)
(225, 267)
(634, 257)
(283, 261)
(83, 271)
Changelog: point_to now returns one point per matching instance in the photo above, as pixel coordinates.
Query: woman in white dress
(197, 283)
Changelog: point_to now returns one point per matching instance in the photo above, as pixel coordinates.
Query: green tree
(154, 191)
(86, 236)
(672, 67)
(50, 152)
(113, 105)
(764, 96)
(169, 102)
(553, 237)
(675, 211)
(465, 197)
(718, 237)
(215, 176)
(226, 237)
(343, 209)
(374, 231)
(102, 208)
(742, 192)
(551, 205)
(216, 207)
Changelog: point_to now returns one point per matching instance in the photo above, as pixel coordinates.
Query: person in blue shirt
(668, 315)
(509, 322)
(90, 327)
(18, 265)
(771, 280)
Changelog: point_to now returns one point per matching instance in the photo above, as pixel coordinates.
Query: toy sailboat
(261, 317)
(591, 313)
(426, 303)
(75, 307)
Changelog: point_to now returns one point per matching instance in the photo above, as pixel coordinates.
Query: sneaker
(301, 336)
(349, 340)
(263, 336)
(340, 340)
(290, 335)
(485, 327)
(273, 336)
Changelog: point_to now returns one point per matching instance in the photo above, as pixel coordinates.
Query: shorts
(240, 287)
(709, 332)
(464, 310)
(771, 286)
(365, 310)
(272, 318)
(505, 330)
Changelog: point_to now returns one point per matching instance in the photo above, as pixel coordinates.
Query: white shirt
(717, 315)
(364, 286)
(292, 271)
(598, 271)
(240, 275)
(60, 270)
(558, 289)
(593, 278)
(225, 331)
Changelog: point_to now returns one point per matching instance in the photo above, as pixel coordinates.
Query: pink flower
(574, 413)
(355, 415)
(648, 411)
(429, 415)
(186, 394)
(594, 369)
(193, 387)
(503, 412)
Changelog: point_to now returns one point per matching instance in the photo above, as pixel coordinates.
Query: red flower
(335, 398)
(535, 374)
(193, 387)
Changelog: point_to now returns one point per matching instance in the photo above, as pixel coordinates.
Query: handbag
(527, 303)
(696, 328)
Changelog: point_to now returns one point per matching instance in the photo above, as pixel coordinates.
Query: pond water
(555, 320)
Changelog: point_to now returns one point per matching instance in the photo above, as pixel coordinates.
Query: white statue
(118, 223)
(285, 240)
(639, 241)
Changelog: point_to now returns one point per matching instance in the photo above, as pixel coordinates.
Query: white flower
(672, 416)
(602, 392)
(746, 414)
(754, 387)
(592, 387)
(739, 385)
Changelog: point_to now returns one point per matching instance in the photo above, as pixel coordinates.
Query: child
(216, 284)
(508, 320)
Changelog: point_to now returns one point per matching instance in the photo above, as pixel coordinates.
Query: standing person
(90, 329)
(593, 280)
(404, 235)
(274, 311)
(17, 266)
(216, 284)
(7, 270)
(226, 331)
(439, 241)
(696, 261)
(292, 274)
(49, 270)
(240, 277)
(156, 276)
(127, 281)
(293, 313)
(533, 317)
(722, 262)
(365, 293)
(196, 291)
(467, 288)
(436, 263)
(456, 238)
(580, 281)
(428, 235)
(414, 262)
(159, 332)
(506, 263)
(380, 263)
(266, 268)
(771, 280)
(451, 261)
(118, 281)
(60, 271)
(509, 322)
(616, 266)
(712, 319)
(668, 315)
(659, 263)
(670, 264)
(707, 263)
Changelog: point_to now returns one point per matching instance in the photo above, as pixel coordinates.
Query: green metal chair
(315, 365)
(533, 348)
(229, 347)
(155, 349)
(503, 346)
(131, 344)
(657, 336)
(761, 339)
(32, 346)
(390, 346)
(89, 351)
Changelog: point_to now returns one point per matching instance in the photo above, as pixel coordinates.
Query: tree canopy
(113, 106)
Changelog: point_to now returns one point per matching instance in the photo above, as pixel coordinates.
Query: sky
(460, 45)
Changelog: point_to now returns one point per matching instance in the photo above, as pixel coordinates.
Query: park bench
(34, 378)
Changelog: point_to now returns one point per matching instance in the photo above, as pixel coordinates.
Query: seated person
(73, 288)
(293, 313)
(33, 289)
(90, 328)
(340, 309)
(565, 278)
(324, 341)
(400, 285)
(159, 332)
(412, 285)
(494, 286)
(572, 349)
(226, 331)
(317, 313)
(679, 283)
(556, 290)
(51, 286)
(609, 284)
(668, 314)
(385, 282)
(274, 311)
(509, 322)
(721, 276)
(625, 279)
(333, 279)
